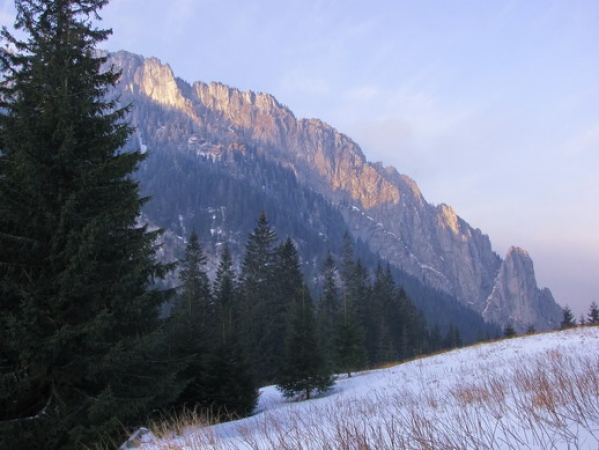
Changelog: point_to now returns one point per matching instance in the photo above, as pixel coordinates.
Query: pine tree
(328, 311)
(288, 288)
(230, 387)
(384, 316)
(226, 293)
(79, 325)
(593, 314)
(453, 338)
(509, 331)
(257, 295)
(191, 322)
(304, 369)
(568, 320)
(351, 354)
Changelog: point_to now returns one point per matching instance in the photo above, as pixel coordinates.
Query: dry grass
(548, 402)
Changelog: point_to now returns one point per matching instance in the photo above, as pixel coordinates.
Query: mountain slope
(533, 392)
(251, 139)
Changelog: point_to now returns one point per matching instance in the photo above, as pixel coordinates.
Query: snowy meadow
(538, 391)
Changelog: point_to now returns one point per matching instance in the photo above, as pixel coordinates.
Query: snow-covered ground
(533, 392)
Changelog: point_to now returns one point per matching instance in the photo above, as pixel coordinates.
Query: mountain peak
(379, 206)
(517, 252)
(517, 299)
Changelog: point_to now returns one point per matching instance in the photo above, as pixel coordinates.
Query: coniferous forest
(84, 353)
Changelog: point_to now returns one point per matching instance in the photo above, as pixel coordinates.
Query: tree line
(261, 324)
(84, 351)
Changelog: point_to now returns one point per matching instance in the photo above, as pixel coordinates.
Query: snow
(142, 147)
(536, 392)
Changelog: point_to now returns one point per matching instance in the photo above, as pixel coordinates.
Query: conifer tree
(230, 387)
(226, 297)
(384, 317)
(593, 314)
(257, 295)
(304, 369)
(81, 349)
(568, 320)
(452, 338)
(191, 321)
(288, 287)
(509, 331)
(351, 352)
(328, 311)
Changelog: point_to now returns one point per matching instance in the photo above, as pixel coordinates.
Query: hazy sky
(490, 106)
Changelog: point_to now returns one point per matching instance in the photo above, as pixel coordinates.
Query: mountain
(220, 156)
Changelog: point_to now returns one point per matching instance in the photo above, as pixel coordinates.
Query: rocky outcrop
(381, 206)
(516, 298)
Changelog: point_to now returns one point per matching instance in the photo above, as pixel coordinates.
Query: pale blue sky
(491, 106)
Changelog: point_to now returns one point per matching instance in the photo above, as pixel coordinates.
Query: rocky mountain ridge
(380, 206)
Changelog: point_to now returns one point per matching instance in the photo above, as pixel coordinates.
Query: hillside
(535, 392)
(220, 156)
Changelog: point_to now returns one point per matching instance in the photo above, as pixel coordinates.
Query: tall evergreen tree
(288, 289)
(226, 297)
(257, 295)
(452, 338)
(79, 328)
(568, 320)
(328, 311)
(383, 318)
(351, 354)
(593, 314)
(304, 369)
(191, 321)
(230, 387)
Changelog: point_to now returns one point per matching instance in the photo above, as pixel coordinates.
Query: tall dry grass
(548, 402)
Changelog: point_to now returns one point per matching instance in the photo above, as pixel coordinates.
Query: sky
(492, 107)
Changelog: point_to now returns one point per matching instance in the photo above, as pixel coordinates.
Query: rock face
(516, 299)
(381, 207)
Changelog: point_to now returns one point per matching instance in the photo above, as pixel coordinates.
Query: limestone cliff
(515, 297)
(382, 207)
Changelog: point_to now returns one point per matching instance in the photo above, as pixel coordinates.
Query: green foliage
(304, 370)
(568, 320)
(509, 330)
(593, 314)
(328, 315)
(78, 319)
(452, 339)
(259, 297)
(203, 333)
(230, 389)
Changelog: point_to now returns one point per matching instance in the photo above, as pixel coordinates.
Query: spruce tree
(351, 354)
(226, 297)
(304, 369)
(509, 331)
(384, 317)
(230, 387)
(81, 349)
(191, 320)
(593, 314)
(328, 311)
(568, 320)
(258, 294)
(287, 289)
